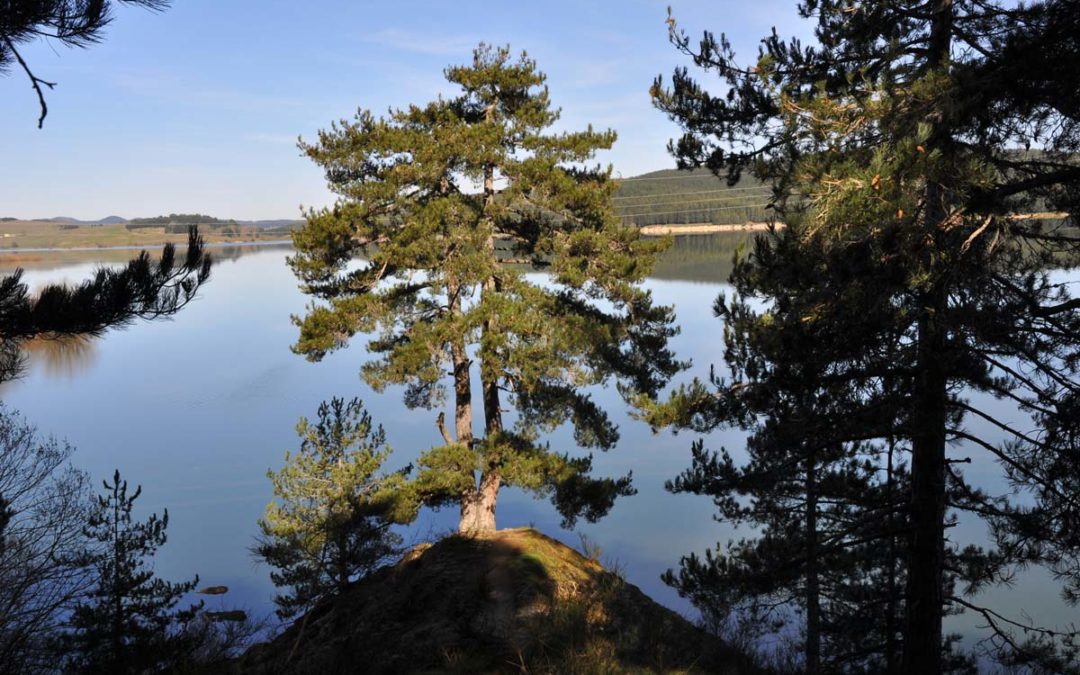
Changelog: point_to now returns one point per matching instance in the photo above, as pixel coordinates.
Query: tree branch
(441, 422)
(35, 81)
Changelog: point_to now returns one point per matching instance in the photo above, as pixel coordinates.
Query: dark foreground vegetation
(864, 339)
(78, 593)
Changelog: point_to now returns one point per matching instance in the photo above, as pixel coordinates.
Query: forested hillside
(674, 197)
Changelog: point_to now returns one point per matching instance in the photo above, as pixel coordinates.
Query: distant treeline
(674, 197)
(175, 220)
(179, 223)
(679, 197)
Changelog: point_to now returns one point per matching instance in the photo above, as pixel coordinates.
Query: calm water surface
(196, 410)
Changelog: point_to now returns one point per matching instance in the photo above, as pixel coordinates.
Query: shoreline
(136, 247)
(756, 226)
(703, 228)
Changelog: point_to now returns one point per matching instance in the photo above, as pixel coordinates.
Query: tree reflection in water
(62, 356)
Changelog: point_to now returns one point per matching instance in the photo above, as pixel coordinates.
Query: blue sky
(199, 108)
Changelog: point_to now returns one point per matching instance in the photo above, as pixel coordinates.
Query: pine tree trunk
(482, 506)
(925, 601)
(925, 584)
(117, 627)
(463, 413)
(891, 651)
(813, 588)
(471, 500)
(462, 394)
(478, 511)
(342, 562)
(478, 508)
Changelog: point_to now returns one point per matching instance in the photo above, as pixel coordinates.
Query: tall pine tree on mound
(452, 203)
(910, 285)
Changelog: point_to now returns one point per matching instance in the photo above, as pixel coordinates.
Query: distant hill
(108, 220)
(282, 224)
(667, 197)
(675, 197)
(176, 221)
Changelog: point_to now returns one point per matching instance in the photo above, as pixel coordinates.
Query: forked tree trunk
(478, 506)
(463, 414)
(478, 510)
(472, 501)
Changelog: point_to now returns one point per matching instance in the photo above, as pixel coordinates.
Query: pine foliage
(75, 23)
(450, 204)
(330, 522)
(904, 291)
(43, 570)
(114, 297)
(129, 622)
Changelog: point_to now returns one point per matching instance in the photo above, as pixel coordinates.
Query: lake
(196, 409)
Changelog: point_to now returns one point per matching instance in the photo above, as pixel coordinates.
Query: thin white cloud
(272, 138)
(167, 86)
(597, 74)
(429, 45)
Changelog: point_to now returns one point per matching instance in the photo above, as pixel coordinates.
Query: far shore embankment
(702, 228)
(757, 226)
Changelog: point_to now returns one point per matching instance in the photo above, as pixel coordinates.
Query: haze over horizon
(198, 108)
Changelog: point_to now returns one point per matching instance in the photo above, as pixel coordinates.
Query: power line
(630, 180)
(686, 211)
(689, 203)
(699, 192)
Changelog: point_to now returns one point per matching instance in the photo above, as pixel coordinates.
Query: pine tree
(824, 503)
(128, 622)
(448, 202)
(894, 144)
(331, 522)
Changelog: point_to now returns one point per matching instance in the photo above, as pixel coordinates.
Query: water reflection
(56, 260)
(704, 258)
(198, 408)
(65, 357)
(62, 357)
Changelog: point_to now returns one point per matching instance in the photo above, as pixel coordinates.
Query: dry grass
(515, 601)
(32, 234)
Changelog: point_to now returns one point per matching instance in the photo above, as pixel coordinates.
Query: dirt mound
(515, 601)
